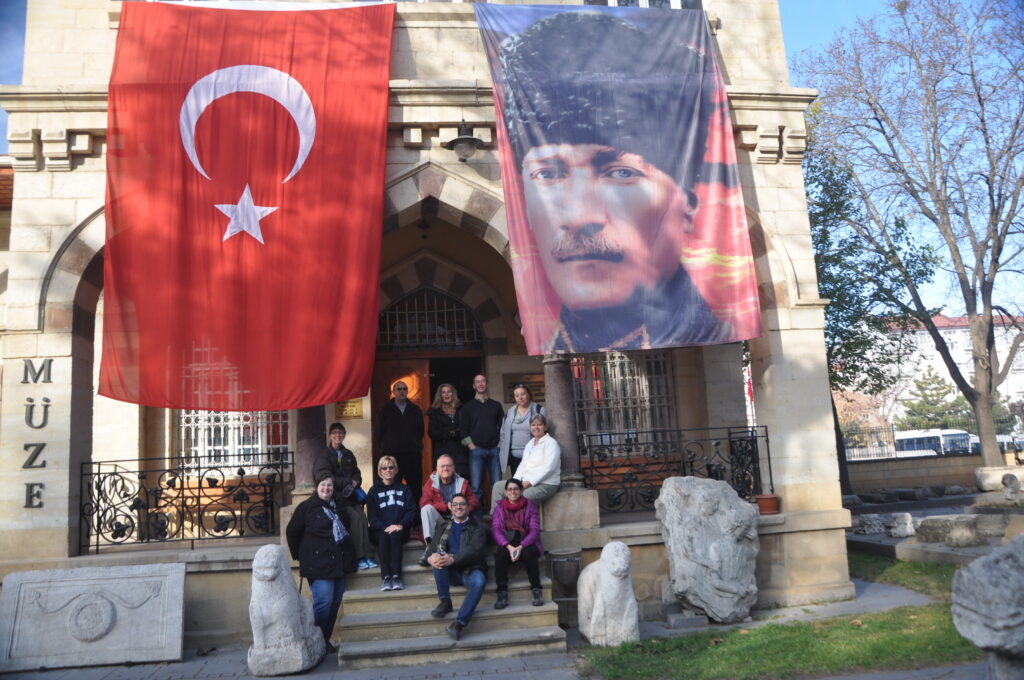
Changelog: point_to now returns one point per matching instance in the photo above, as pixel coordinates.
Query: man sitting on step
(443, 484)
(456, 552)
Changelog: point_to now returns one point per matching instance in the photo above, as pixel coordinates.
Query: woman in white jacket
(541, 469)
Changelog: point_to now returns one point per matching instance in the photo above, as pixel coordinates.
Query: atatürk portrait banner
(624, 206)
(245, 180)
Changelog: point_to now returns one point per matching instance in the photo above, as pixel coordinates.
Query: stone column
(311, 436)
(573, 507)
(560, 404)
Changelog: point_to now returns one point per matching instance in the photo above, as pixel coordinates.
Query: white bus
(936, 442)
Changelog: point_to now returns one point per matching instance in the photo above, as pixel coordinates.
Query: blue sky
(12, 46)
(812, 24)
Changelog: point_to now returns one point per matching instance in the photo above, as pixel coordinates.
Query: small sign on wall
(533, 381)
(353, 408)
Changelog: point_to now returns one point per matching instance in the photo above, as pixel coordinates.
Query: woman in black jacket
(319, 540)
(443, 427)
(392, 510)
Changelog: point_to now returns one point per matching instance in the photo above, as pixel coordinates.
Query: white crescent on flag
(264, 80)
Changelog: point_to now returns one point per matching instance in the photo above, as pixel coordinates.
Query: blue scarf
(340, 532)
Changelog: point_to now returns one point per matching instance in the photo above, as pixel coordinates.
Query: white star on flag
(245, 216)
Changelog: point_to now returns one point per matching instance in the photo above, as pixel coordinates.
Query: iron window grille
(428, 319)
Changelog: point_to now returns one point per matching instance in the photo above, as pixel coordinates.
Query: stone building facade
(444, 232)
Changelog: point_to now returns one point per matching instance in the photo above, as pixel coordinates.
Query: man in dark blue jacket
(456, 553)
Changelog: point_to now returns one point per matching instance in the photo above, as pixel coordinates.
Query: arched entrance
(426, 338)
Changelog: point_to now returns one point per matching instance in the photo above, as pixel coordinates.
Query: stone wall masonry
(908, 472)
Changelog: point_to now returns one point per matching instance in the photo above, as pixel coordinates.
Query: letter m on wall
(33, 374)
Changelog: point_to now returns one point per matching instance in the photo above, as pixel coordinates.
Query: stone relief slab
(91, 616)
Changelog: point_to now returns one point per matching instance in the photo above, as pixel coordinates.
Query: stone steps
(404, 624)
(394, 628)
(432, 649)
(424, 597)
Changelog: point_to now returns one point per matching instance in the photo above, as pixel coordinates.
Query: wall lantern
(465, 145)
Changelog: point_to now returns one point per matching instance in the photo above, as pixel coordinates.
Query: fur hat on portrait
(592, 78)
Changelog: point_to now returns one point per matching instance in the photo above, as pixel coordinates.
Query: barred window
(427, 318)
(231, 439)
(624, 392)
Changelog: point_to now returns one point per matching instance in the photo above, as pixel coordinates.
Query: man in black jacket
(456, 553)
(340, 464)
(480, 421)
(399, 433)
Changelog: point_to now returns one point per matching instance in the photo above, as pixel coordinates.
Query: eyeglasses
(387, 467)
(459, 504)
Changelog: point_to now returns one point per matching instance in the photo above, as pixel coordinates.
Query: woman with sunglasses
(392, 510)
(515, 526)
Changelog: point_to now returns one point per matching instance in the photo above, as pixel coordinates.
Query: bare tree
(925, 106)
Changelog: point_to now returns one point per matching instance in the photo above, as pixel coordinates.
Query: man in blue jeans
(457, 556)
(480, 422)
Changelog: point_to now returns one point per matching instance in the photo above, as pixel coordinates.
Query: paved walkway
(230, 662)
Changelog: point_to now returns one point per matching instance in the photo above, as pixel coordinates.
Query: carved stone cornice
(767, 123)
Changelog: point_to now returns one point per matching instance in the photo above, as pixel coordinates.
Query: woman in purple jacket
(515, 526)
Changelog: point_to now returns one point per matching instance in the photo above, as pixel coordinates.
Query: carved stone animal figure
(285, 639)
(608, 611)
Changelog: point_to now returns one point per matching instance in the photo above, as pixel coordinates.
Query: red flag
(244, 205)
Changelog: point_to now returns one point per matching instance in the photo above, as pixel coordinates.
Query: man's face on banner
(605, 222)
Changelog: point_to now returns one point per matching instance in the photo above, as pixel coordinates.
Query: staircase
(395, 628)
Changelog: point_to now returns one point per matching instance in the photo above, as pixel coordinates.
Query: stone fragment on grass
(870, 524)
(901, 525)
(1011, 488)
(711, 539)
(988, 608)
(956, 531)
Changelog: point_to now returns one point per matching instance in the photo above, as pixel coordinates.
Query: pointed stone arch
(782, 280)
(427, 268)
(65, 272)
(432, 190)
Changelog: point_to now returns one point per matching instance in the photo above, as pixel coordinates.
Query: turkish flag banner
(245, 180)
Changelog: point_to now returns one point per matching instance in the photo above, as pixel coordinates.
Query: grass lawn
(908, 637)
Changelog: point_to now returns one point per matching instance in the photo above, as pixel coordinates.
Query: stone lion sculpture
(284, 638)
(608, 610)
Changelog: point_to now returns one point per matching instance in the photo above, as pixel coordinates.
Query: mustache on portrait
(586, 247)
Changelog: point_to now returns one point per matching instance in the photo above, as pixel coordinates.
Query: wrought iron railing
(627, 468)
(146, 501)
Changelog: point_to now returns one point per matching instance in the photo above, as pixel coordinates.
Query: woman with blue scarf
(320, 541)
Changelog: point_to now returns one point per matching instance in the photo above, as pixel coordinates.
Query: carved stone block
(988, 598)
(901, 525)
(92, 616)
(711, 539)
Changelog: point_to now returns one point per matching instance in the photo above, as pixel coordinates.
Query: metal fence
(145, 501)
(957, 437)
(628, 468)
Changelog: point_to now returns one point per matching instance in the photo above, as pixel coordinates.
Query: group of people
(330, 536)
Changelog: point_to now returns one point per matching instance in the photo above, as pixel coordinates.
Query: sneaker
(454, 630)
(386, 585)
(538, 597)
(396, 583)
(363, 564)
(372, 563)
(502, 600)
